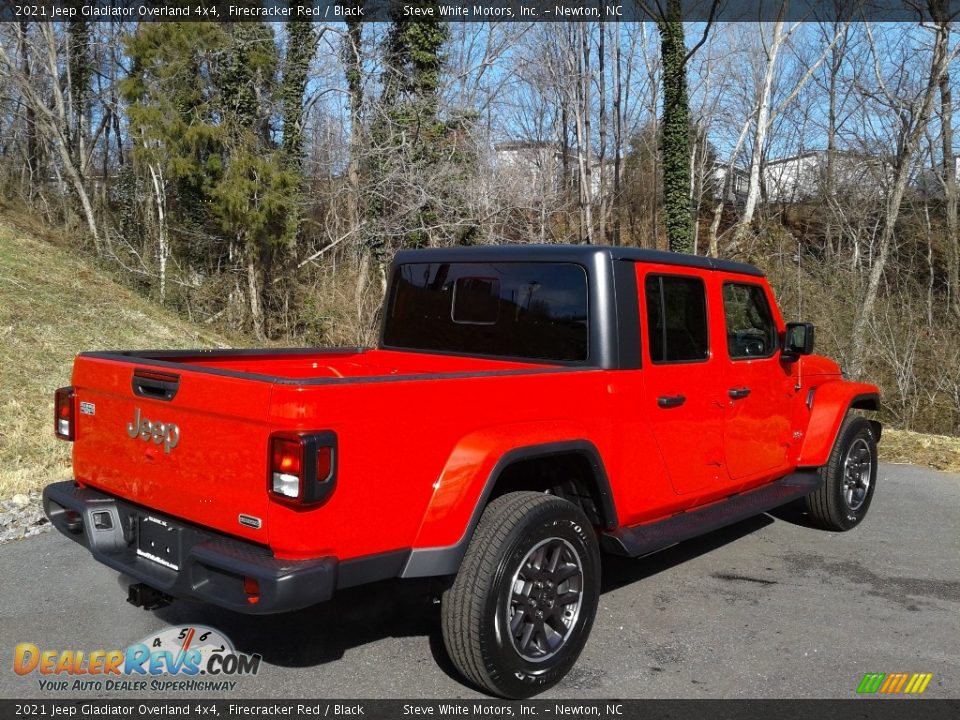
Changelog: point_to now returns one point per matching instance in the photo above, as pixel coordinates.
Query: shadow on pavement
(402, 608)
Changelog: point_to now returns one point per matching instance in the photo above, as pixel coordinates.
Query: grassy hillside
(52, 306)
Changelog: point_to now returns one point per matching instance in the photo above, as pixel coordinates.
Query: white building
(804, 176)
(536, 166)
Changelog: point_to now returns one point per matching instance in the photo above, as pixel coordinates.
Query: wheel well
(568, 475)
(865, 402)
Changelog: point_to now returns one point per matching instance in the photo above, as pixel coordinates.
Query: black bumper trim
(212, 567)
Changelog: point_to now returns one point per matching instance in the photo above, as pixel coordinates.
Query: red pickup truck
(527, 408)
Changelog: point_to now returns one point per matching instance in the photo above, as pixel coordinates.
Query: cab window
(751, 331)
(676, 318)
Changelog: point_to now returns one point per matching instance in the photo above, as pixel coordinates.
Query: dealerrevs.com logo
(193, 658)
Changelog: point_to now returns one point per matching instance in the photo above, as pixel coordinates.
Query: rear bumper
(203, 566)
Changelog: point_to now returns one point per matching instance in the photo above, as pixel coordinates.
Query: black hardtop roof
(569, 253)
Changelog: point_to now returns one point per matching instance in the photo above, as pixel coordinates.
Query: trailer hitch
(146, 597)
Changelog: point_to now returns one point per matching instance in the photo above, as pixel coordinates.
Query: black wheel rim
(857, 474)
(546, 595)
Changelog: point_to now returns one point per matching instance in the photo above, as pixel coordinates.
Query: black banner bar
(330, 11)
(134, 709)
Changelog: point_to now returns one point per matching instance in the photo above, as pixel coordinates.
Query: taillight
(286, 467)
(303, 467)
(63, 413)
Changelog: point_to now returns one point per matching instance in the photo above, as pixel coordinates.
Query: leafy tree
(202, 98)
(257, 195)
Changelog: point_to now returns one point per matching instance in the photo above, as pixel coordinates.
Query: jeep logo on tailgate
(166, 433)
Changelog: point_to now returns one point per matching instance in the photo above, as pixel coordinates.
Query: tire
(850, 478)
(492, 634)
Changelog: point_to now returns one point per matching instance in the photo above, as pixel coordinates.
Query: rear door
(681, 375)
(756, 429)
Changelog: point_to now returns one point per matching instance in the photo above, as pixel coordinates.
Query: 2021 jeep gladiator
(526, 408)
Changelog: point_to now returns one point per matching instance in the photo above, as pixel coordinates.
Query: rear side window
(676, 318)
(520, 310)
(751, 331)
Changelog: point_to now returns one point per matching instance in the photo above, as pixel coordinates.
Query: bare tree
(51, 119)
(914, 114)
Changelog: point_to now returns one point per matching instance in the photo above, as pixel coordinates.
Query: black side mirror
(798, 340)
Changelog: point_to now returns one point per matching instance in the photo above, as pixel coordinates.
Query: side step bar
(650, 537)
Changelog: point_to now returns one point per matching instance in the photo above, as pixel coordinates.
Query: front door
(681, 374)
(756, 430)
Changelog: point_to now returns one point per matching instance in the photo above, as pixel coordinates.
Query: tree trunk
(254, 294)
(57, 128)
(675, 131)
(617, 133)
(163, 245)
(601, 163)
(354, 69)
(584, 142)
(950, 193)
(760, 131)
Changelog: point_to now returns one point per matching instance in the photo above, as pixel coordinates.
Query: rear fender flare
(469, 487)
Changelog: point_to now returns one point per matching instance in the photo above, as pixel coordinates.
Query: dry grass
(941, 452)
(52, 306)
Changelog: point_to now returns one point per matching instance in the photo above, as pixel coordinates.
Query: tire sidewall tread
(826, 505)
(509, 527)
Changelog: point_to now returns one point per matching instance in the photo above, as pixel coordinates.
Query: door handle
(738, 393)
(670, 401)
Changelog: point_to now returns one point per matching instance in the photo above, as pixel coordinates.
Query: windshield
(510, 309)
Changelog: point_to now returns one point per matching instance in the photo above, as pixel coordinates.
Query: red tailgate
(206, 459)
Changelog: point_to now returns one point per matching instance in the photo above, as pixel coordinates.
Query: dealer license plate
(159, 541)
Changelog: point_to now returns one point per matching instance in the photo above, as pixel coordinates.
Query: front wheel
(522, 605)
(850, 478)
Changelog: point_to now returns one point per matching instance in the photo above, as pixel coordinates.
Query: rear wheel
(850, 478)
(522, 605)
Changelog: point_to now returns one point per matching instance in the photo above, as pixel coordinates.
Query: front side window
(676, 318)
(751, 331)
(535, 310)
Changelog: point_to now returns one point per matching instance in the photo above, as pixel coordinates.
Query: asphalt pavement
(767, 608)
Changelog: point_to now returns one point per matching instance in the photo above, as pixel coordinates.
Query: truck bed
(225, 404)
(311, 364)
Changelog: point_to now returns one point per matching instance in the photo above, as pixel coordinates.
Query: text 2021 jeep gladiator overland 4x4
(526, 408)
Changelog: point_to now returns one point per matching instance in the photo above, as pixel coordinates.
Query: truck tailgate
(205, 459)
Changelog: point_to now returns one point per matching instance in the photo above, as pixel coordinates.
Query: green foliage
(201, 100)
(413, 57)
(81, 75)
(676, 132)
(300, 48)
(172, 104)
(248, 79)
(253, 199)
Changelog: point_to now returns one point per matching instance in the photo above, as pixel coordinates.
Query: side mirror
(798, 339)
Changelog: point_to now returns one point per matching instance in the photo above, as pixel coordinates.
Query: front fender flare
(829, 404)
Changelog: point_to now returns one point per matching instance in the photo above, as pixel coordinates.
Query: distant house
(536, 166)
(804, 176)
(736, 190)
